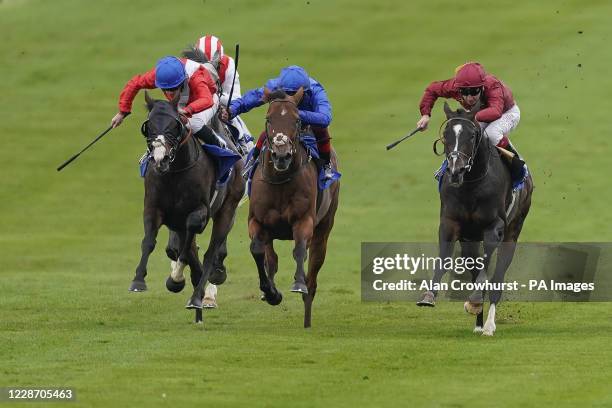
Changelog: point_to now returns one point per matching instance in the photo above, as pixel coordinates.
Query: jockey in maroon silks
(499, 116)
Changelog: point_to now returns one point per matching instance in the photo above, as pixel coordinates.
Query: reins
(470, 159)
(294, 149)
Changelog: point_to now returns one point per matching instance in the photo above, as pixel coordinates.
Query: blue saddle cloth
(224, 160)
(310, 144)
(517, 184)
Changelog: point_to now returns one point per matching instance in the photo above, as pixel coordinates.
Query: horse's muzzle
(281, 161)
(163, 165)
(456, 176)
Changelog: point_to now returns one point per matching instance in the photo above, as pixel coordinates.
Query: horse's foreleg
(302, 233)
(448, 233)
(196, 222)
(152, 222)
(317, 252)
(259, 241)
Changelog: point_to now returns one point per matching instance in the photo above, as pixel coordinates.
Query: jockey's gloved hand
(117, 119)
(423, 122)
(224, 113)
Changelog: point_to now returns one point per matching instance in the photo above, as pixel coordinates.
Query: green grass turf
(70, 241)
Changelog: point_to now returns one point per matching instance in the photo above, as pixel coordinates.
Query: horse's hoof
(488, 329)
(427, 299)
(478, 329)
(173, 286)
(138, 286)
(472, 308)
(218, 275)
(209, 303)
(273, 298)
(194, 303)
(299, 287)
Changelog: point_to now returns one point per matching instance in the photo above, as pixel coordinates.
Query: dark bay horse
(181, 193)
(477, 206)
(284, 204)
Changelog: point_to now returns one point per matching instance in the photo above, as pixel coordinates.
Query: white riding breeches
(501, 127)
(198, 120)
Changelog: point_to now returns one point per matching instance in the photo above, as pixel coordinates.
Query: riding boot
(208, 136)
(517, 163)
(327, 167)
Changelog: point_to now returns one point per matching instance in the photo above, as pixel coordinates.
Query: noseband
(174, 141)
(469, 159)
(280, 138)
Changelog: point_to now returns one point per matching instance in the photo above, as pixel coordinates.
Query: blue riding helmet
(293, 78)
(169, 73)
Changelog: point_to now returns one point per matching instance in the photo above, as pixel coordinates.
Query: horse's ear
(216, 58)
(149, 101)
(448, 111)
(266, 95)
(298, 96)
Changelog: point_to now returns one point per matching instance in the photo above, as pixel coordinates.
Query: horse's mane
(195, 54)
(277, 94)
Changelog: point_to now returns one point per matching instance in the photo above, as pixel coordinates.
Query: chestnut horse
(286, 204)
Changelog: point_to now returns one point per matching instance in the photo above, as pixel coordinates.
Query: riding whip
(236, 55)
(392, 145)
(73, 158)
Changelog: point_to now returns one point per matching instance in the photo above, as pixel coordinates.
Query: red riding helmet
(469, 75)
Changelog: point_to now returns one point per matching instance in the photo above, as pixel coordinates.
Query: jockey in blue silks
(315, 109)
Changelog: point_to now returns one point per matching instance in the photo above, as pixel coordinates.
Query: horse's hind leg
(316, 253)
(173, 247)
(219, 272)
(222, 224)
(152, 222)
(218, 276)
(302, 233)
(176, 281)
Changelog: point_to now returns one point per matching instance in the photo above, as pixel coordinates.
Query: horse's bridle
(458, 154)
(298, 127)
(271, 140)
(174, 142)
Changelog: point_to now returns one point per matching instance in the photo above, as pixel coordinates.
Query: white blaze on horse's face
(280, 139)
(457, 129)
(283, 112)
(159, 148)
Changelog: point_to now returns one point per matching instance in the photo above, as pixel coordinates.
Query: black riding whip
(73, 158)
(236, 56)
(392, 145)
